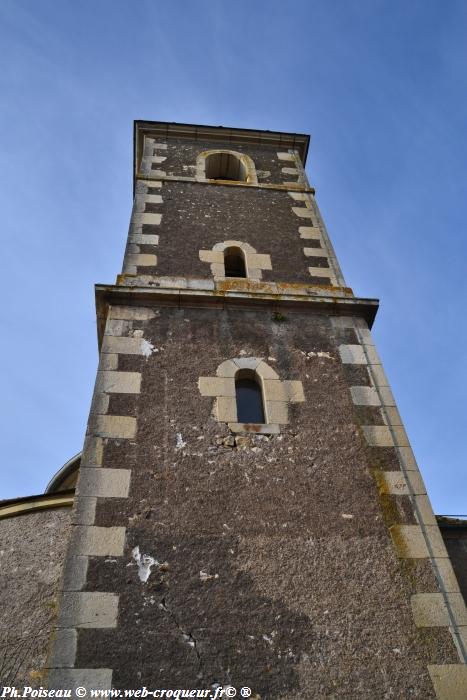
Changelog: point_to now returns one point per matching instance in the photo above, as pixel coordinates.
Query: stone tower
(249, 510)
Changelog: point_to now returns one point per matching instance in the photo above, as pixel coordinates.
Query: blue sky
(381, 88)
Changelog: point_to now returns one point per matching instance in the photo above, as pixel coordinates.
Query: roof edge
(31, 504)
(63, 473)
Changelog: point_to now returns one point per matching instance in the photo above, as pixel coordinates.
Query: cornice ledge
(336, 304)
(289, 187)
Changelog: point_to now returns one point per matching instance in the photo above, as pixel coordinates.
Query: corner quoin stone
(429, 609)
(93, 451)
(122, 345)
(352, 355)
(64, 648)
(449, 681)
(365, 396)
(113, 426)
(377, 435)
(76, 569)
(85, 509)
(118, 382)
(95, 541)
(104, 482)
(410, 543)
(73, 678)
(88, 609)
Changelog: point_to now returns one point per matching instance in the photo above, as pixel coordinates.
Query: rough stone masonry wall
(204, 216)
(175, 222)
(179, 159)
(32, 550)
(268, 559)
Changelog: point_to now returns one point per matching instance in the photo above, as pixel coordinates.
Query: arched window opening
(234, 263)
(225, 166)
(249, 398)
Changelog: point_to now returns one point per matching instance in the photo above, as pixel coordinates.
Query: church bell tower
(249, 510)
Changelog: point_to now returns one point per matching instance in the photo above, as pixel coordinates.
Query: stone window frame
(247, 162)
(254, 262)
(277, 394)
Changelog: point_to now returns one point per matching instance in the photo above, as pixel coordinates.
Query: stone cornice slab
(287, 187)
(341, 302)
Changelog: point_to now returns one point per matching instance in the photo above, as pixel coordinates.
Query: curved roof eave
(57, 481)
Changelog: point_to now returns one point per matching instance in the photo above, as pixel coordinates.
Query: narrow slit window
(249, 398)
(234, 263)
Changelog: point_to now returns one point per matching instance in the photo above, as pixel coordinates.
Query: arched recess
(254, 262)
(234, 262)
(275, 394)
(229, 166)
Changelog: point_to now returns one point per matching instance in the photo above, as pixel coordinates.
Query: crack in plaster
(188, 637)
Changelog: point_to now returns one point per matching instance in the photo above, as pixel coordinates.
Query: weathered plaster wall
(32, 550)
(275, 568)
